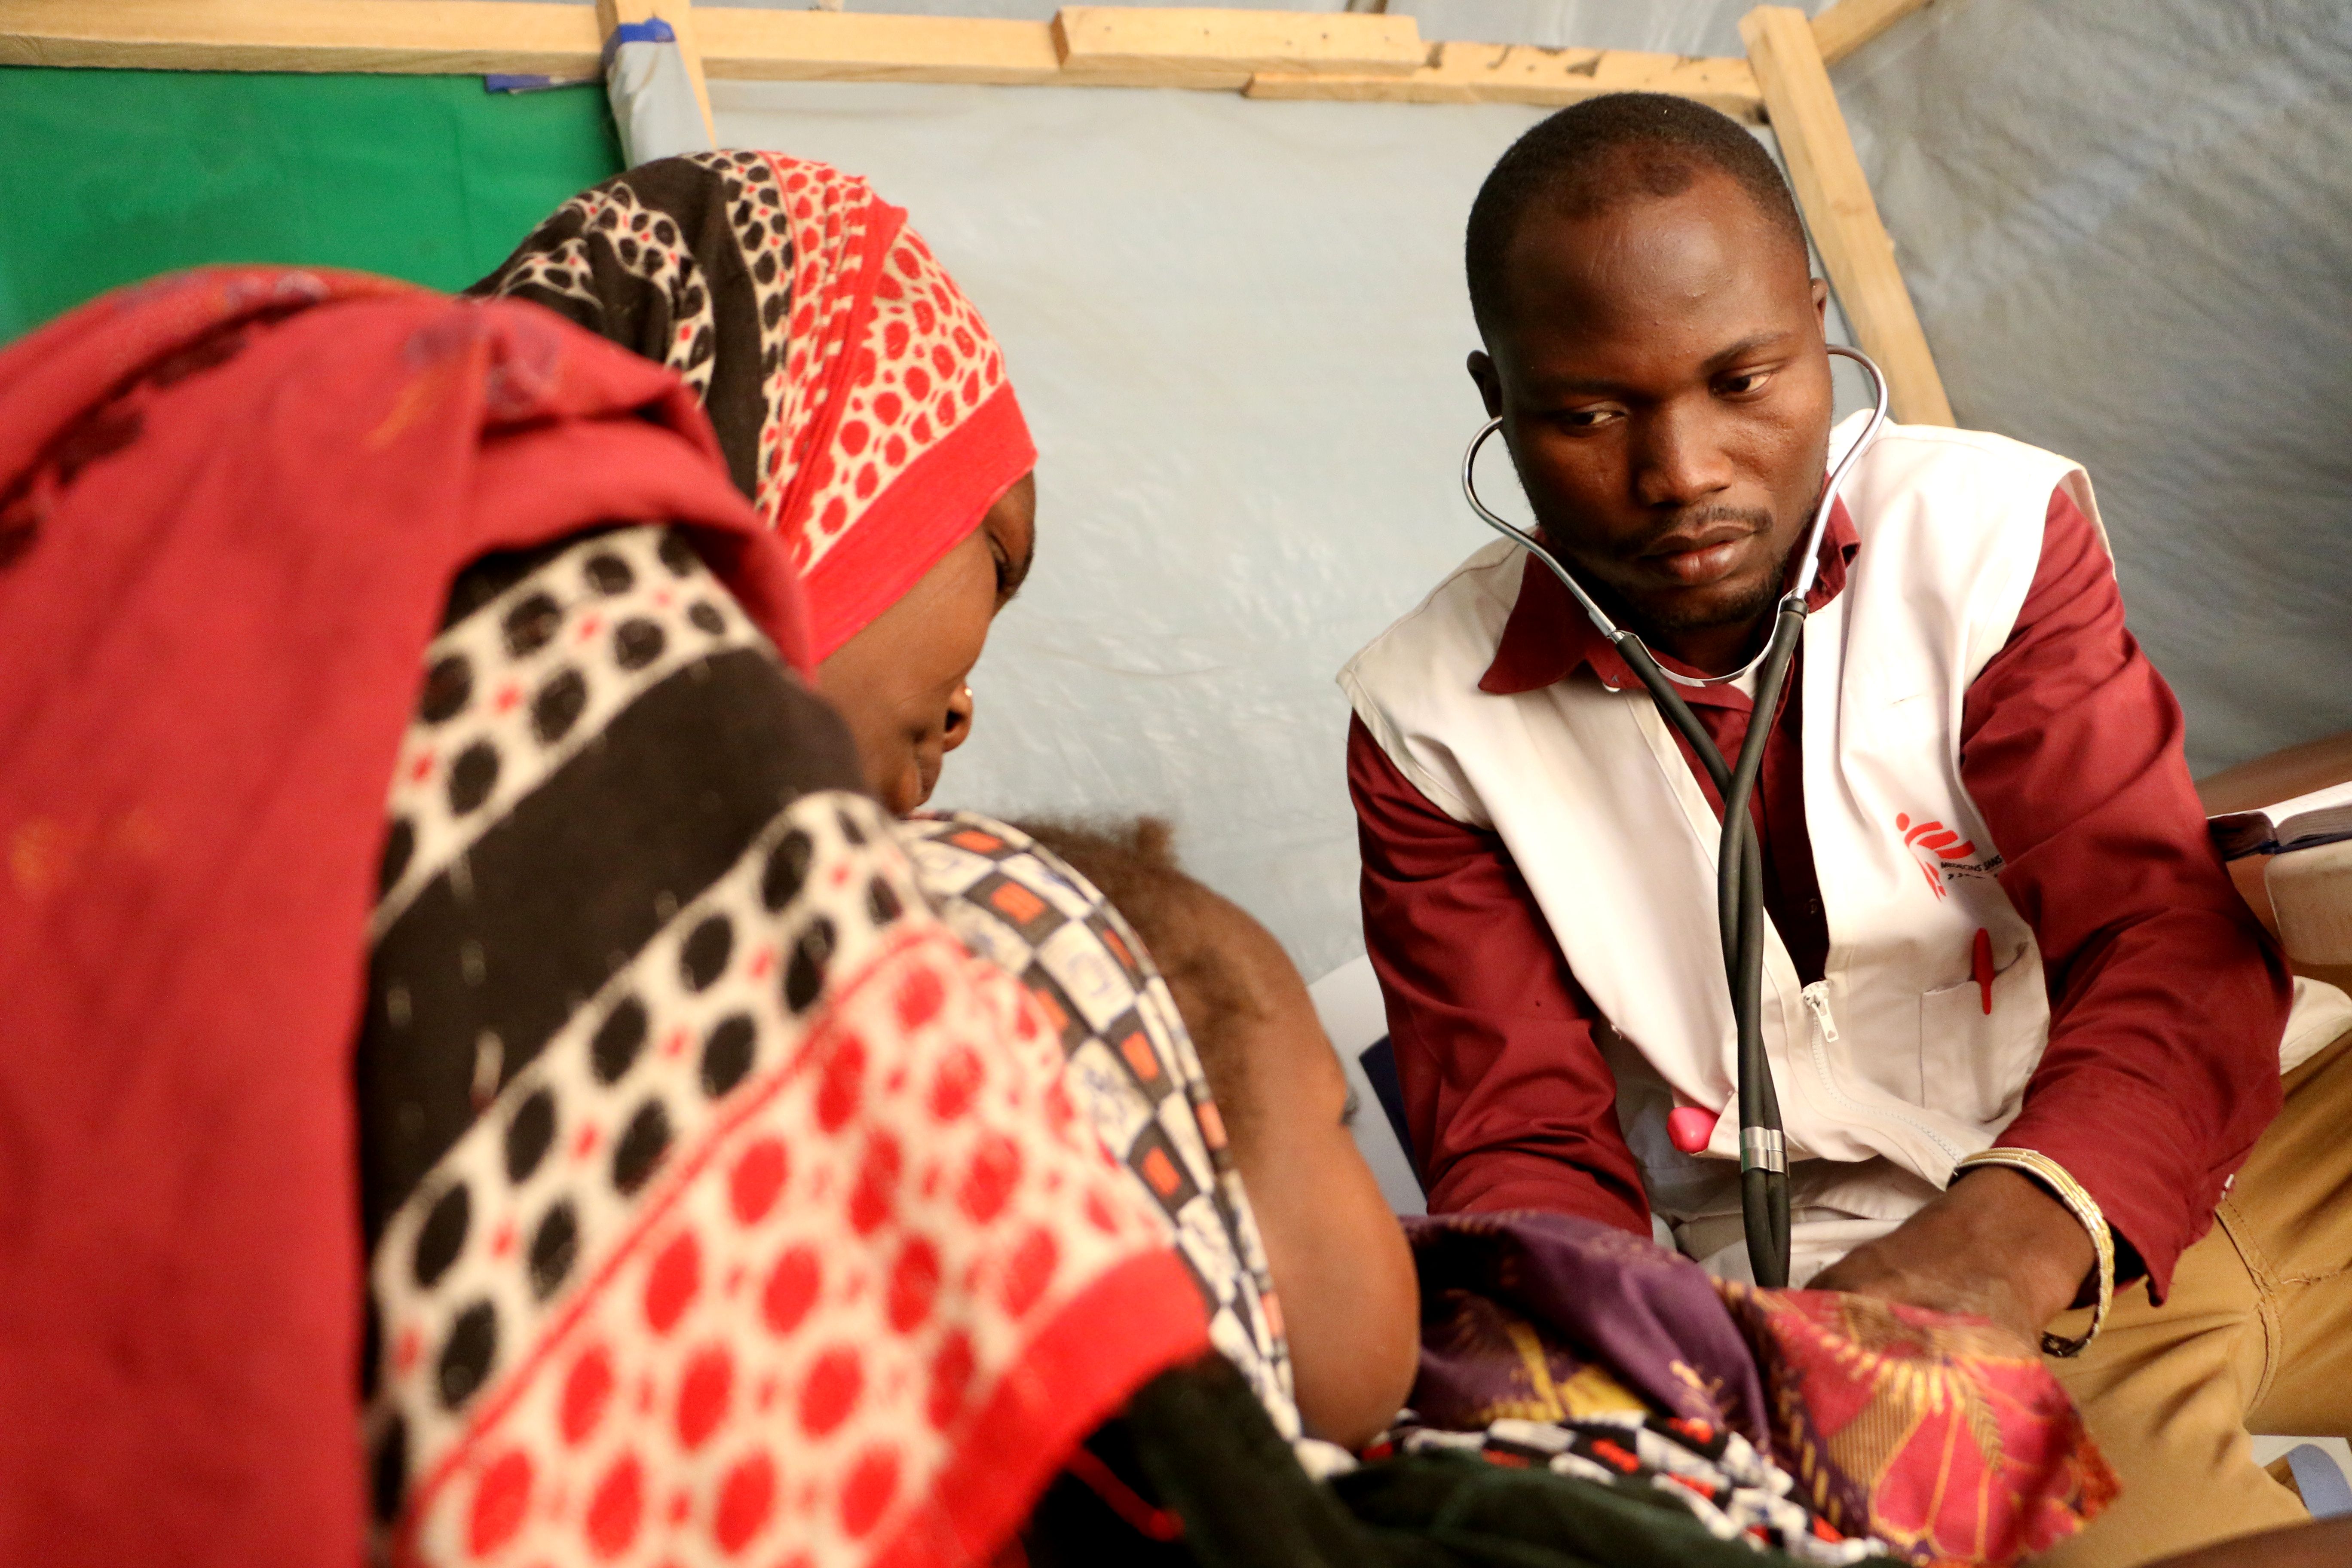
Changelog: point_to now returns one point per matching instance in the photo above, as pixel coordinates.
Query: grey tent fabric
(2128, 230)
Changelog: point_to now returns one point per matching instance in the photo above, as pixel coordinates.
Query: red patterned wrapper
(1939, 1434)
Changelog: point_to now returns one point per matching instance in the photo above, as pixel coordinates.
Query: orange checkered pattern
(1131, 1069)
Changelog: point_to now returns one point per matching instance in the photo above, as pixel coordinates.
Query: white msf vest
(1898, 1056)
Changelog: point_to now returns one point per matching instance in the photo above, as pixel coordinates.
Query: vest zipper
(1817, 997)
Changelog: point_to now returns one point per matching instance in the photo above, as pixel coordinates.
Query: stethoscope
(1739, 866)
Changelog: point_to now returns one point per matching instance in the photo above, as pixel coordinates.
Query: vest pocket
(1973, 1064)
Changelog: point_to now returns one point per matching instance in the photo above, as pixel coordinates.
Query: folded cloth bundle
(1560, 1344)
(1940, 1436)
(1547, 1317)
(1557, 1342)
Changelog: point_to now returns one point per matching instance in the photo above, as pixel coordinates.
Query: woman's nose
(957, 728)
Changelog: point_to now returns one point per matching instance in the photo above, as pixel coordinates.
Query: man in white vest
(2000, 928)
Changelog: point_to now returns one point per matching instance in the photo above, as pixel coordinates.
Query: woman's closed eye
(1011, 526)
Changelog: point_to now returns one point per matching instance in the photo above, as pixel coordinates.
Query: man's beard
(1749, 604)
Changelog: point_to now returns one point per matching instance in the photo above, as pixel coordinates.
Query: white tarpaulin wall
(1238, 329)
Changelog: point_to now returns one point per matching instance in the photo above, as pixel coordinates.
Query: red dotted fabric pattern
(797, 280)
(847, 1318)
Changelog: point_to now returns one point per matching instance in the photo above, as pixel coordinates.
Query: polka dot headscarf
(860, 399)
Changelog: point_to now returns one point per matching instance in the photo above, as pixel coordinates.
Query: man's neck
(1710, 650)
(1714, 650)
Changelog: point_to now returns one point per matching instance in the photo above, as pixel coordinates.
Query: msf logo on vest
(1942, 853)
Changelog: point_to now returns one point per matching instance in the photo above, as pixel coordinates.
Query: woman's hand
(1994, 1246)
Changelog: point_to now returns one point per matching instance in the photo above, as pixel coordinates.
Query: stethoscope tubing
(1739, 871)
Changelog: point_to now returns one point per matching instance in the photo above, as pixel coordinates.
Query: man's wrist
(1994, 1247)
(2053, 1243)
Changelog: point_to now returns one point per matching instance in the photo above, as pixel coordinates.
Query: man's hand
(1995, 1245)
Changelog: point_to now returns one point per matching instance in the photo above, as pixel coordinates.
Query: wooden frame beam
(751, 44)
(433, 37)
(1235, 45)
(1523, 73)
(1855, 249)
(1363, 57)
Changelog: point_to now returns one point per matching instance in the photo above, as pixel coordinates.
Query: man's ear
(1821, 307)
(1490, 381)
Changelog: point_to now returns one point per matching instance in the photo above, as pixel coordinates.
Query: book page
(2322, 799)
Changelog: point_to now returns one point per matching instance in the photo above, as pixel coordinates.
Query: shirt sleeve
(2166, 1001)
(1507, 1098)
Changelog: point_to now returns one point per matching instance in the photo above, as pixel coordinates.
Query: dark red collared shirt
(2167, 1001)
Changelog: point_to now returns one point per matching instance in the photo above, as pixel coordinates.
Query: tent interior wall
(1237, 322)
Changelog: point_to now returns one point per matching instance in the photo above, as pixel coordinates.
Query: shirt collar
(1549, 637)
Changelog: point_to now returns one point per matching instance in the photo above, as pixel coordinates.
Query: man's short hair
(1593, 155)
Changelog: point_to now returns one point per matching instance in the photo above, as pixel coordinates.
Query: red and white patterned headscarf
(861, 403)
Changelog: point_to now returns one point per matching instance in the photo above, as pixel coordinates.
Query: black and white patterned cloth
(1731, 1488)
(591, 905)
(1132, 1071)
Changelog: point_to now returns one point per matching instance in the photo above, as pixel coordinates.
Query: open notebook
(2323, 817)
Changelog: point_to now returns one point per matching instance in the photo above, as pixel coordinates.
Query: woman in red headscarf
(860, 401)
(659, 1263)
(863, 407)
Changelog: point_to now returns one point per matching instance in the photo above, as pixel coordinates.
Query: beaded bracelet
(2053, 1176)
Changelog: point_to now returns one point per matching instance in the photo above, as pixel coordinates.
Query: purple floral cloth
(1549, 1317)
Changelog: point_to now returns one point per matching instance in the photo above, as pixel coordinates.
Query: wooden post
(1853, 243)
(679, 15)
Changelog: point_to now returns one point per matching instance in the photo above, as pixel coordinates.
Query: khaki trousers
(2256, 1335)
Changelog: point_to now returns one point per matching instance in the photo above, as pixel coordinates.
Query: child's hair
(1134, 866)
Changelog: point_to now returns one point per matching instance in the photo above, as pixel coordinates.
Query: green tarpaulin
(112, 176)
